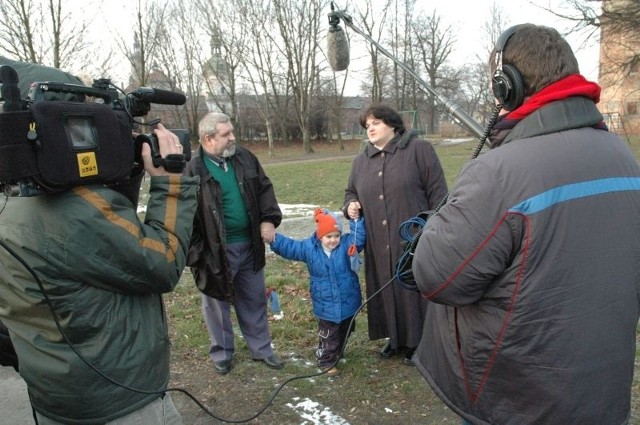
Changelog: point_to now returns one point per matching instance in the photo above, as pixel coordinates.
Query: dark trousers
(250, 306)
(332, 339)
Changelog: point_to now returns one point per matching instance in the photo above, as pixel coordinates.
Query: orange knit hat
(326, 223)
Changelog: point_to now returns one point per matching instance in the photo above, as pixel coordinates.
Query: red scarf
(573, 85)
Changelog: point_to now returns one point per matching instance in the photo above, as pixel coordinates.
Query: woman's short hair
(386, 114)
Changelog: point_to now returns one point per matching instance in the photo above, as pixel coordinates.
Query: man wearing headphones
(533, 264)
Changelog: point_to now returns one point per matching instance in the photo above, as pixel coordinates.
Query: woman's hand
(353, 210)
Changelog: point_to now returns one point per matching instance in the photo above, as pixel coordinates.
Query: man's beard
(229, 152)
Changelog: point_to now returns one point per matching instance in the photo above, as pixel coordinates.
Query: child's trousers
(332, 339)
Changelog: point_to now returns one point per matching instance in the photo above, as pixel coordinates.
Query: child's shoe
(332, 371)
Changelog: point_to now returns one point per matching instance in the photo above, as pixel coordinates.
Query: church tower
(216, 74)
(136, 62)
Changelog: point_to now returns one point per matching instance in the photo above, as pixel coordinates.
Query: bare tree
(265, 70)
(404, 85)
(619, 23)
(380, 67)
(495, 24)
(149, 31)
(332, 92)
(621, 17)
(224, 21)
(298, 22)
(180, 57)
(43, 32)
(477, 84)
(434, 42)
(474, 94)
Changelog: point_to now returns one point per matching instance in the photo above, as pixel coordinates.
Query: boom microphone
(163, 97)
(338, 56)
(337, 49)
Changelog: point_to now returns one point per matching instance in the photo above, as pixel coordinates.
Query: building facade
(619, 72)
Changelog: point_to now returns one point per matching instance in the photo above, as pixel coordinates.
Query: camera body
(53, 145)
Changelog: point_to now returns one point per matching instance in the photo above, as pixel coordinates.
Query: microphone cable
(172, 389)
(75, 349)
(408, 232)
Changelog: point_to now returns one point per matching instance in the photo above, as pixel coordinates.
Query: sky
(470, 16)
(466, 17)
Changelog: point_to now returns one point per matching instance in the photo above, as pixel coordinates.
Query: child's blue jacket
(335, 287)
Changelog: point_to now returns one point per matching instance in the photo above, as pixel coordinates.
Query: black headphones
(506, 83)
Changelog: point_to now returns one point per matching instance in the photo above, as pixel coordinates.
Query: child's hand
(268, 232)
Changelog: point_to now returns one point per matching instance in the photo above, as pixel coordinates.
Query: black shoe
(272, 361)
(387, 352)
(408, 357)
(222, 367)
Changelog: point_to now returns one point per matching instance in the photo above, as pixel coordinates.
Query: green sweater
(236, 220)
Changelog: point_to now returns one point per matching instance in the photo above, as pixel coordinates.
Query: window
(632, 108)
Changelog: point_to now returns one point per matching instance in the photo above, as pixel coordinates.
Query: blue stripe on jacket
(575, 191)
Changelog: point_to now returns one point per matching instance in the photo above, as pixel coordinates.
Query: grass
(322, 181)
(319, 183)
(368, 390)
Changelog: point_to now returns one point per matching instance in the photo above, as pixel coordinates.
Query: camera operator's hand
(168, 143)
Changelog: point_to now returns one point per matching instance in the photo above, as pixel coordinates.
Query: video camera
(51, 145)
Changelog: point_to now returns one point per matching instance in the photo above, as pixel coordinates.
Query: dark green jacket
(104, 272)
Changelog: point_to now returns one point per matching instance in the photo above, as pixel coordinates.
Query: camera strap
(17, 153)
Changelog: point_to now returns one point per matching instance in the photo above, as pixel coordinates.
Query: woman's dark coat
(394, 185)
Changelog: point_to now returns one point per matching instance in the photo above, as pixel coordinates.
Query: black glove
(8, 356)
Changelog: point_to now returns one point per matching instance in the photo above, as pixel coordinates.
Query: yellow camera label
(87, 164)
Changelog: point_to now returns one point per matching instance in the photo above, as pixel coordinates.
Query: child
(332, 261)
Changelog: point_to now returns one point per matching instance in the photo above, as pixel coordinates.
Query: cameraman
(103, 273)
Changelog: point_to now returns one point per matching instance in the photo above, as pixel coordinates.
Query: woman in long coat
(396, 177)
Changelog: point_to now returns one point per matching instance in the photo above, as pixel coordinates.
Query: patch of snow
(455, 141)
(315, 413)
(288, 210)
(297, 210)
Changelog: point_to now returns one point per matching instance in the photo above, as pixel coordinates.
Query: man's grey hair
(209, 123)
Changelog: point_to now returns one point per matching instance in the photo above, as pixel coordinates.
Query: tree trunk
(270, 138)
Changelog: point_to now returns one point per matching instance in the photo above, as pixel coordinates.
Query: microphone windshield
(164, 97)
(337, 49)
